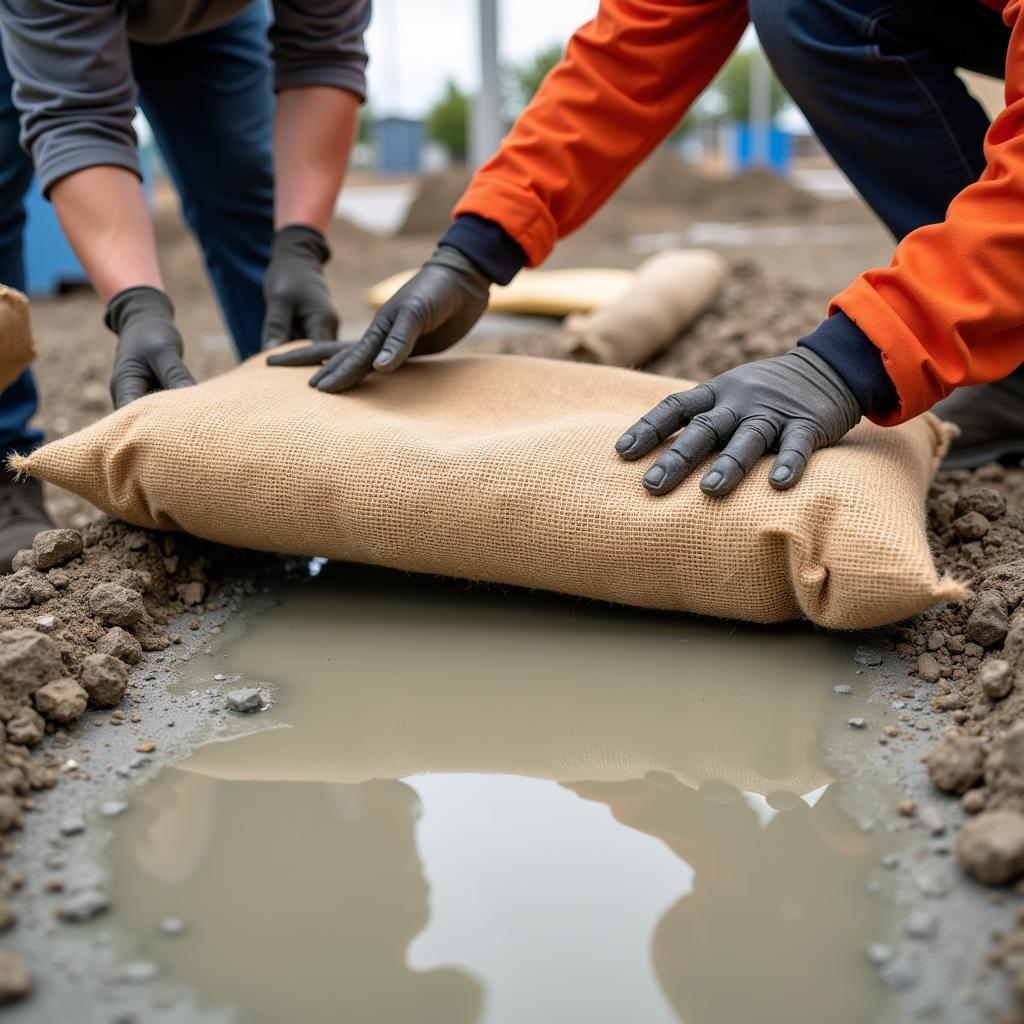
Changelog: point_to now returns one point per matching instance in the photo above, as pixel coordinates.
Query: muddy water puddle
(498, 807)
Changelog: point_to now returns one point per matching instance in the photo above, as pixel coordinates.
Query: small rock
(921, 925)
(138, 972)
(931, 818)
(907, 808)
(878, 953)
(27, 660)
(973, 801)
(990, 847)
(145, 747)
(72, 825)
(842, 689)
(248, 699)
(10, 813)
(84, 906)
(989, 621)
(25, 728)
(219, 677)
(14, 593)
(104, 679)
(173, 926)
(15, 978)
(971, 526)
(112, 808)
(23, 559)
(115, 605)
(51, 548)
(867, 656)
(956, 762)
(46, 623)
(928, 667)
(61, 700)
(120, 644)
(996, 678)
(932, 884)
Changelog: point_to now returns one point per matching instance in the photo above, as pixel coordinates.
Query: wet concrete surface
(464, 804)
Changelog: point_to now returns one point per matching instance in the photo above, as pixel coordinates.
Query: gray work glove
(298, 301)
(428, 314)
(794, 403)
(149, 347)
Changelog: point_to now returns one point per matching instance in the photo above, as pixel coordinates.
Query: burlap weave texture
(17, 347)
(502, 468)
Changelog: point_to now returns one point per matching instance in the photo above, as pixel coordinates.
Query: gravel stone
(246, 700)
(51, 548)
(989, 621)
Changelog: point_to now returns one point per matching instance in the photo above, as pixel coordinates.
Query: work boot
(22, 515)
(991, 422)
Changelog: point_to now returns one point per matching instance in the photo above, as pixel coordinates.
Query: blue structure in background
(49, 260)
(398, 142)
(743, 152)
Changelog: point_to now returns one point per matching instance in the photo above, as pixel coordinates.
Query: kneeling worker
(878, 85)
(258, 179)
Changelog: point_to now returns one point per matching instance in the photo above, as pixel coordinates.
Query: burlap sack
(670, 290)
(503, 469)
(17, 348)
(554, 293)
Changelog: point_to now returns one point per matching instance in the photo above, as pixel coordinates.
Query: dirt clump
(61, 701)
(956, 762)
(990, 847)
(104, 678)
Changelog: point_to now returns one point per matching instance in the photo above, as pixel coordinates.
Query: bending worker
(258, 178)
(877, 83)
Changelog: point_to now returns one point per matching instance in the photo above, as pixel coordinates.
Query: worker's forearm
(105, 218)
(314, 128)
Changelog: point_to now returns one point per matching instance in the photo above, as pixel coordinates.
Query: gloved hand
(428, 314)
(795, 403)
(298, 302)
(149, 347)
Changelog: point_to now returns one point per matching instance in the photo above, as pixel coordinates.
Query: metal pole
(485, 129)
(760, 109)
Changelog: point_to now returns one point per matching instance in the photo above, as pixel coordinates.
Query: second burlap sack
(668, 292)
(504, 469)
(17, 346)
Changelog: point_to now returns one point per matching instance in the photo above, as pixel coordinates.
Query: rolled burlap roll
(17, 348)
(669, 291)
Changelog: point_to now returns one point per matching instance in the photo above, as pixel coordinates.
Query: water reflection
(292, 853)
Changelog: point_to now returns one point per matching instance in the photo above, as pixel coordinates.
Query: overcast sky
(416, 45)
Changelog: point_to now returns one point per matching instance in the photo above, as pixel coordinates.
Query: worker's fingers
(277, 323)
(751, 440)
(663, 421)
(170, 371)
(320, 325)
(795, 450)
(348, 368)
(309, 355)
(705, 432)
(400, 342)
(125, 388)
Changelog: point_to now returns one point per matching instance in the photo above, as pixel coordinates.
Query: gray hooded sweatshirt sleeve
(71, 65)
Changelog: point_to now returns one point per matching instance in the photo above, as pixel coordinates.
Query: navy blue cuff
(488, 245)
(848, 350)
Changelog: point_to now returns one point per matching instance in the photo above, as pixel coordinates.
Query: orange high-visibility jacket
(948, 310)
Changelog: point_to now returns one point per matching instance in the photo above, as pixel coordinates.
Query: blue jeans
(209, 100)
(876, 81)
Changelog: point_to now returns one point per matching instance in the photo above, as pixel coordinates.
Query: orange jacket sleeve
(626, 79)
(949, 309)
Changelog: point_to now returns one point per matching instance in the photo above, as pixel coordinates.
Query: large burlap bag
(669, 291)
(503, 468)
(17, 347)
